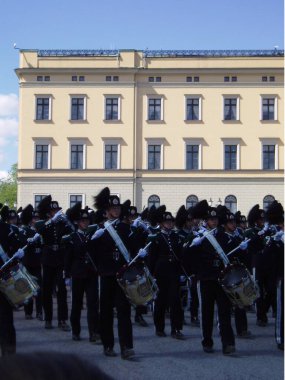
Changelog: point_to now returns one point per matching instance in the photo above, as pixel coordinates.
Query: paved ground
(164, 358)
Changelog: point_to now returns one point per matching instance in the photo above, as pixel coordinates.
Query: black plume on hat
(104, 199)
(4, 213)
(239, 218)
(125, 210)
(144, 213)
(20, 209)
(152, 215)
(222, 212)
(159, 213)
(254, 214)
(73, 213)
(200, 210)
(181, 217)
(275, 213)
(27, 214)
(44, 206)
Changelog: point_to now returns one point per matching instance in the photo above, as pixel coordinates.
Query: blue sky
(122, 24)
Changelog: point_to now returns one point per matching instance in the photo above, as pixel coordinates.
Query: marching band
(122, 261)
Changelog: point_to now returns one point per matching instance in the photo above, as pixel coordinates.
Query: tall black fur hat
(144, 213)
(240, 218)
(4, 213)
(254, 214)
(104, 199)
(125, 209)
(44, 206)
(275, 213)
(160, 211)
(181, 217)
(200, 210)
(27, 214)
(73, 213)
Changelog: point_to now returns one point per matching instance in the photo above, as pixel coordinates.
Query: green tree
(8, 188)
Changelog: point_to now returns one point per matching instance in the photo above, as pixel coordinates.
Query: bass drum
(17, 284)
(239, 286)
(137, 283)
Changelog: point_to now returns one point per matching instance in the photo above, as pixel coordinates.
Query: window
(188, 79)
(74, 78)
(192, 108)
(267, 201)
(47, 78)
(112, 109)
(154, 157)
(158, 79)
(108, 78)
(226, 79)
(234, 79)
(191, 201)
(77, 108)
(76, 161)
(230, 157)
(75, 198)
(268, 108)
(196, 79)
(153, 200)
(230, 109)
(154, 109)
(231, 203)
(192, 157)
(38, 199)
(81, 78)
(272, 79)
(116, 78)
(111, 156)
(41, 157)
(39, 78)
(154, 79)
(43, 108)
(264, 79)
(268, 157)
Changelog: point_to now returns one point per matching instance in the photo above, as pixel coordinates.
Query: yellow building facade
(157, 127)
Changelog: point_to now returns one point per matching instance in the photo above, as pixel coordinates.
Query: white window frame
(231, 96)
(192, 96)
(269, 141)
(83, 198)
(76, 141)
(155, 141)
(44, 96)
(75, 96)
(110, 96)
(42, 141)
(161, 97)
(229, 141)
(193, 142)
(266, 96)
(114, 141)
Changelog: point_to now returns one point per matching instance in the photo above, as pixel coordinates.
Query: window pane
(192, 157)
(154, 109)
(268, 157)
(230, 157)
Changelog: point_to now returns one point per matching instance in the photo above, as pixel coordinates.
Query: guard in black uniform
(164, 264)
(202, 259)
(32, 259)
(80, 267)
(9, 244)
(109, 260)
(51, 228)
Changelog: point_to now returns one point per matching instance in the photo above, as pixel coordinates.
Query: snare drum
(137, 283)
(17, 284)
(239, 286)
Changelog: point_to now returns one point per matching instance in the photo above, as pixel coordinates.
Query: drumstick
(236, 248)
(135, 258)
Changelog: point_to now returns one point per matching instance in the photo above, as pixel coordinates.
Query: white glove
(264, 229)
(196, 241)
(243, 245)
(68, 282)
(33, 239)
(57, 216)
(136, 222)
(19, 254)
(142, 252)
(278, 236)
(98, 233)
(182, 278)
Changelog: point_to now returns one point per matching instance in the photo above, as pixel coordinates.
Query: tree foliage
(8, 188)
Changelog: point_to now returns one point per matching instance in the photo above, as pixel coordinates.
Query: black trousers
(111, 295)
(7, 329)
(168, 295)
(54, 276)
(36, 272)
(194, 299)
(211, 292)
(279, 322)
(141, 309)
(89, 286)
(267, 289)
(240, 320)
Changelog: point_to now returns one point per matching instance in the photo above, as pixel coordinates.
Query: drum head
(130, 273)
(233, 275)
